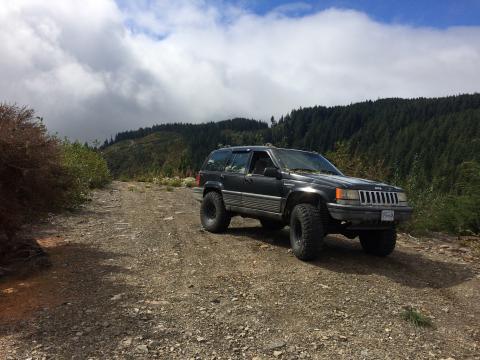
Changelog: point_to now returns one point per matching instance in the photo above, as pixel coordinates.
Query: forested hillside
(172, 149)
(429, 146)
(435, 135)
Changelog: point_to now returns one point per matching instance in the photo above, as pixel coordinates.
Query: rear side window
(217, 161)
(239, 163)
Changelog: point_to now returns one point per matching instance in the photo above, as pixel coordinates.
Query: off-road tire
(272, 225)
(378, 242)
(306, 231)
(213, 215)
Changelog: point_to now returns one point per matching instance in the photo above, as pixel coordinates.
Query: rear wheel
(213, 215)
(306, 231)
(272, 224)
(378, 242)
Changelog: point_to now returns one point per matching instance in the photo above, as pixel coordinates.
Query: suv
(301, 189)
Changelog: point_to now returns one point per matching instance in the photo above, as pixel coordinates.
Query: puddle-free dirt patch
(21, 296)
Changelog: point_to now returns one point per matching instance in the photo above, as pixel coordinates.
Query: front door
(261, 192)
(233, 178)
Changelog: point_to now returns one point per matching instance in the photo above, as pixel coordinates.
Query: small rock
(116, 297)
(142, 348)
(277, 353)
(127, 342)
(201, 339)
(168, 218)
(275, 344)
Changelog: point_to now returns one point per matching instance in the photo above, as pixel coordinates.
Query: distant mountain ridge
(432, 135)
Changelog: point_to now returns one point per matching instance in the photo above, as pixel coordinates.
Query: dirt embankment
(135, 276)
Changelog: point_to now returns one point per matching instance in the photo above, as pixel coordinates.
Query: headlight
(344, 194)
(402, 197)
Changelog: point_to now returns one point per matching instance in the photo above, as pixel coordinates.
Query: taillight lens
(197, 179)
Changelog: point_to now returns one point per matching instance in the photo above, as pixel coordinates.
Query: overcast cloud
(93, 68)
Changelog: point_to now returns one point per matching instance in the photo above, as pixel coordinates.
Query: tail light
(197, 179)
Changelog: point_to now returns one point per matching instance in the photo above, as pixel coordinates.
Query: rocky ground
(135, 276)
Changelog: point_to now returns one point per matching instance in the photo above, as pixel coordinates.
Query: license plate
(387, 215)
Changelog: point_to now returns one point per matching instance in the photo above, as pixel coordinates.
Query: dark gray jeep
(301, 189)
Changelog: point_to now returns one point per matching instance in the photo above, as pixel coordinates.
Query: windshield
(303, 161)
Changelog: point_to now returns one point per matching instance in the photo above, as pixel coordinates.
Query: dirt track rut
(129, 281)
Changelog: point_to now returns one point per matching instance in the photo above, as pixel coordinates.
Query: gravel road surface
(134, 276)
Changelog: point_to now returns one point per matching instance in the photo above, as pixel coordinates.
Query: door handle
(248, 180)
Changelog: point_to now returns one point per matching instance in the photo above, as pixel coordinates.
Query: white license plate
(387, 215)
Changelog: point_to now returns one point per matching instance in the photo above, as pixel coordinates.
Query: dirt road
(135, 276)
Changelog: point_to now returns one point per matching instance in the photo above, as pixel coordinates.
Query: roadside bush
(32, 178)
(456, 212)
(38, 173)
(172, 182)
(356, 165)
(86, 167)
(189, 182)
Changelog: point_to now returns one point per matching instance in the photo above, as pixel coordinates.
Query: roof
(253, 147)
(259, 148)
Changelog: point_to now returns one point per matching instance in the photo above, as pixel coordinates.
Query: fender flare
(304, 191)
(212, 185)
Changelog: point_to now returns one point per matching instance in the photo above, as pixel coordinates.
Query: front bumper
(198, 193)
(358, 213)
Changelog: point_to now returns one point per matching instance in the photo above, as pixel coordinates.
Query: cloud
(97, 67)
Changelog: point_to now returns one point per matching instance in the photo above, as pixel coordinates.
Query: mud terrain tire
(213, 215)
(378, 242)
(306, 231)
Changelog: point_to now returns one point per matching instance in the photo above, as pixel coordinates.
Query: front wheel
(213, 215)
(306, 231)
(378, 242)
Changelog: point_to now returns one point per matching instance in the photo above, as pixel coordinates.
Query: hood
(347, 182)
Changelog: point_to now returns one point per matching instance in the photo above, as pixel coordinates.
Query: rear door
(215, 165)
(233, 178)
(261, 192)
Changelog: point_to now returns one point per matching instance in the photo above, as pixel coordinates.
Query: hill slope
(175, 148)
(431, 137)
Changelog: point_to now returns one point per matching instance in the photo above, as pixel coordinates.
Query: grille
(378, 197)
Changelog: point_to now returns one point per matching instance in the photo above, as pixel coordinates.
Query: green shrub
(456, 212)
(38, 173)
(189, 182)
(86, 167)
(356, 165)
(32, 179)
(173, 182)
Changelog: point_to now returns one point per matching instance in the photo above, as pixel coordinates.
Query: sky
(93, 68)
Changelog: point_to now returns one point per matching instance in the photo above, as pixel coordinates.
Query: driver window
(260, 161)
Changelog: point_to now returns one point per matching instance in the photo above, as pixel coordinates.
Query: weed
(416, 318)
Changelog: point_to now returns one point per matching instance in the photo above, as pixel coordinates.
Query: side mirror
(272, 172)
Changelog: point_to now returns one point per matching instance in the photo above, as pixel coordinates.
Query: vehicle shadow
(342, 255)
(77, 306)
